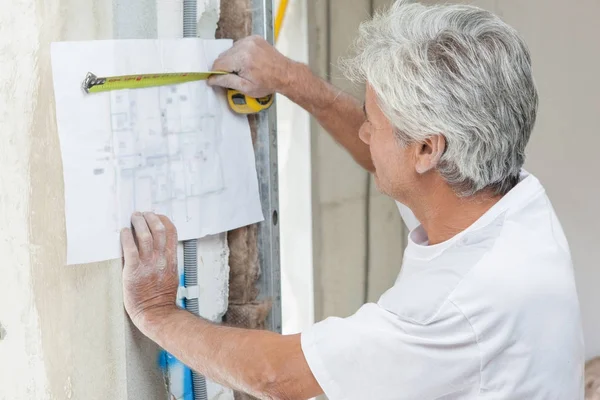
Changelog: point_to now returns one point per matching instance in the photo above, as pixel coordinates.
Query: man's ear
(429, 153)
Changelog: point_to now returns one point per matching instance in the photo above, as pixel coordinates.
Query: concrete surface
(65, 326)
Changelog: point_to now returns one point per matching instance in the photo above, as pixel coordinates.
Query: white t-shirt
(490, 314)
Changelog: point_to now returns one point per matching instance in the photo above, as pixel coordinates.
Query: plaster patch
(213, 276)
(69, 388)
(208, 17)
(2, 332)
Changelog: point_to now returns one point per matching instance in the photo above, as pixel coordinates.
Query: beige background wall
(346, 231)
(563, 153)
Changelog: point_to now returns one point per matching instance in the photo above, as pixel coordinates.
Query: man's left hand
(150, 278)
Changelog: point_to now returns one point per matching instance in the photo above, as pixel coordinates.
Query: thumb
(229, 81)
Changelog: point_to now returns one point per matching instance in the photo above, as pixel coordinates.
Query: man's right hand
(258, 68)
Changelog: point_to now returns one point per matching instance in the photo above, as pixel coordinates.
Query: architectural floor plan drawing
(175, 150)
(165, 144)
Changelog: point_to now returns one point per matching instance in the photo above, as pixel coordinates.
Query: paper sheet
(176, 150)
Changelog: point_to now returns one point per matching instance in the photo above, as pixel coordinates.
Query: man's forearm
(338, 112)
(264, 364)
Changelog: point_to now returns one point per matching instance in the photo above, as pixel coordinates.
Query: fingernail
(137, 214)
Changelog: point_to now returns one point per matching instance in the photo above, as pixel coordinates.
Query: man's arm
(338, 112)
(264, 364)
(261, 363)
(260, 70)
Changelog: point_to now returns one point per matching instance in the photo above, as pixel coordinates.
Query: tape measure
(239, 102)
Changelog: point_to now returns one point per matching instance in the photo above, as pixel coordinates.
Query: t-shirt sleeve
(407, 216)
(375, 354)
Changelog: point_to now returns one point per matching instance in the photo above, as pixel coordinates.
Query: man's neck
(443, 214)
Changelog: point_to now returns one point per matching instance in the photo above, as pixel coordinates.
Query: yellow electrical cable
(279, 17)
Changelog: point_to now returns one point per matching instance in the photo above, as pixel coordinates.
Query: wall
(354, 227)
(63, 331)
(293, 135)
(57, 319)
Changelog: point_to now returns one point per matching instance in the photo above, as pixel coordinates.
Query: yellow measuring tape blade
(95, 84)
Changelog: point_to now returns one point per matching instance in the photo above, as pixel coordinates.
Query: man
(485, 305)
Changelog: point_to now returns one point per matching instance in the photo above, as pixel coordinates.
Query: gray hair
(454, 70)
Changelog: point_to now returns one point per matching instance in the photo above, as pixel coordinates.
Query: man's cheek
(375, 154)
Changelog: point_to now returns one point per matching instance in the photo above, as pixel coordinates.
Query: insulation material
(592, 379)
(243, 264)
(236, 20)
(249, 315)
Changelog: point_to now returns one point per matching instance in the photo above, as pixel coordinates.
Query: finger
(171, 233)
(143, 236)
(230, 81)
(130, 251)
(157, 229)
(170, 228)
(229, 61)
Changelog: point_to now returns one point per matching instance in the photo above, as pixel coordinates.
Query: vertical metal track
(266, 166)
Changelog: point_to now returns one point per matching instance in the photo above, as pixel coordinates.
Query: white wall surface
(293, 126)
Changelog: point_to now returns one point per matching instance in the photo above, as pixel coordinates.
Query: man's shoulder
(422, 293)
(502, 255)
(528, 266)
(505, 258)
(531, 255)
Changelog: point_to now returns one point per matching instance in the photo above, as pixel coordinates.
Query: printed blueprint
(176, 150)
